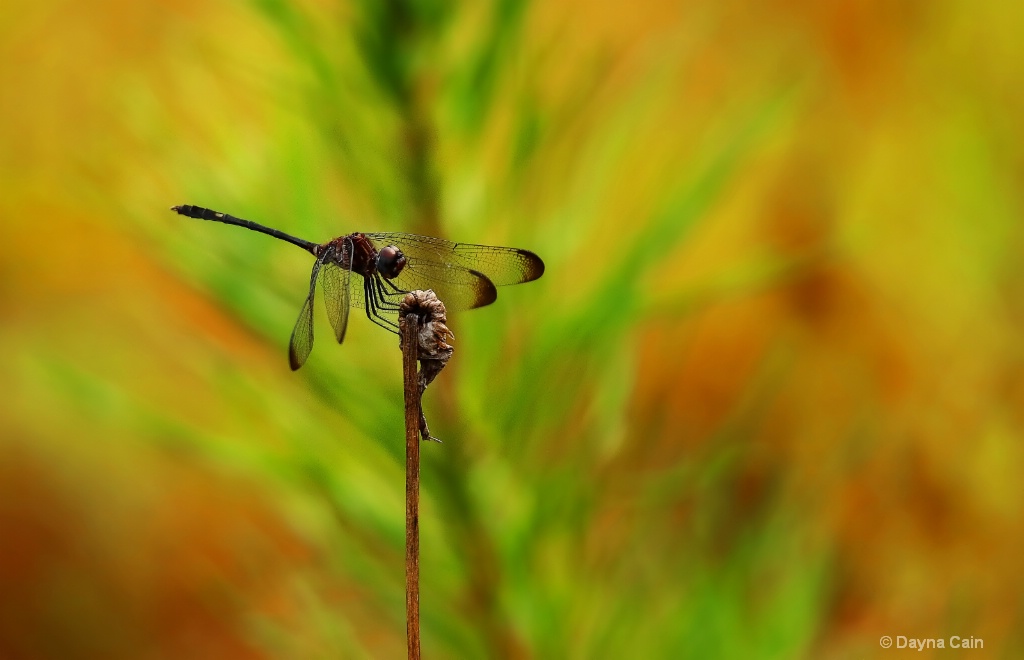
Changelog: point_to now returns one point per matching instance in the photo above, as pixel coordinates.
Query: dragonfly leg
(371, 309)
(388, 300)
(385, 302)
(394, 288)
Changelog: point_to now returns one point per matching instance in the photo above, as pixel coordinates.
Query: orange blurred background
(765, 402)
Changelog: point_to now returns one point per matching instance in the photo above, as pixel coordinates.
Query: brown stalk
(424, 337)
(410, 330)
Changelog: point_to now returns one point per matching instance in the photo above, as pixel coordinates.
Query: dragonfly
(374, 271)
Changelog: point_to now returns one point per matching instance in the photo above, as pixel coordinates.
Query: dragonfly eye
(390, 262)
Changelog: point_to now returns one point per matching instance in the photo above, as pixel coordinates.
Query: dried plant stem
(425, 337)
(412, 485)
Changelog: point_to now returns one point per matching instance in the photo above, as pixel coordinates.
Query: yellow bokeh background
(766, 400)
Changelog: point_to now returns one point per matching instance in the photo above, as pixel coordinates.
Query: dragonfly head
(390, 262)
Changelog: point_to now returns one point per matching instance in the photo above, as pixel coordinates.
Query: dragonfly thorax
(356, 253)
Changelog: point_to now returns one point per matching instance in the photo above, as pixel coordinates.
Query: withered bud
(432, 337)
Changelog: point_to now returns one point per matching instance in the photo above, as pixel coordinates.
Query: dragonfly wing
(334, 280)
(302, 335)
(458, 287)
(501, 265)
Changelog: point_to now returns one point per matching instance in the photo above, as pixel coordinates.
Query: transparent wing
(458, 287)
(335, 282)
(500, 265)
(302, 335)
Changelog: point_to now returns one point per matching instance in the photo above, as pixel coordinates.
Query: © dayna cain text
(954, 642)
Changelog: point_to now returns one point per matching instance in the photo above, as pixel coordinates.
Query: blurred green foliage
(765, 401)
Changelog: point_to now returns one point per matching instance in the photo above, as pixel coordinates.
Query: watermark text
(922, 643)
